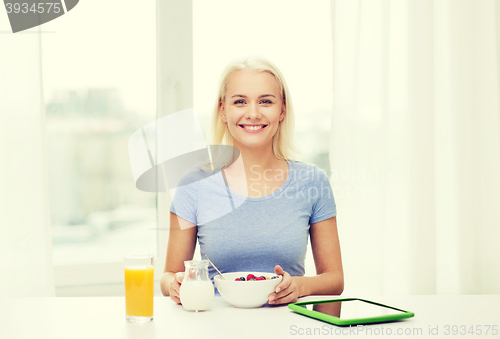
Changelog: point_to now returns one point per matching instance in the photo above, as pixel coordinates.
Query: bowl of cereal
(247, 289)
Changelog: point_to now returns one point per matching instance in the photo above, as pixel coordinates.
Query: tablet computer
(350, 311)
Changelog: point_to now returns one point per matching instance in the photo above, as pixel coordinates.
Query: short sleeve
(185, 198)
(324, 204)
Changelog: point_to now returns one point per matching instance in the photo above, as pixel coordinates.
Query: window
(99, 73)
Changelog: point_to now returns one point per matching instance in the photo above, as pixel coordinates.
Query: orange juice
(139, 290)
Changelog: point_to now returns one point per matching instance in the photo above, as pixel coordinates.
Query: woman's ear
(222, 112)
(283, 112)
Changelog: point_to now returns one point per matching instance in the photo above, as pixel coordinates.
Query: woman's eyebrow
(262, 96)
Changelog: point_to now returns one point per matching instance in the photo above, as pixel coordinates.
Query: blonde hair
(283, 142)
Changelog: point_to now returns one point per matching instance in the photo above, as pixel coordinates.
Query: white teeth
(253, 128)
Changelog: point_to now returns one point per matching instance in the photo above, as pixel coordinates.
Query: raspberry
(250, 276)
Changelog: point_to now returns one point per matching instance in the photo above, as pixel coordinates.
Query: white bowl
(246, 294)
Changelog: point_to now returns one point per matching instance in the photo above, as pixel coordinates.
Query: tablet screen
(352, 309)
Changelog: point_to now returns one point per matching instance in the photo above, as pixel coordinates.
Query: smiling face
(253, 108)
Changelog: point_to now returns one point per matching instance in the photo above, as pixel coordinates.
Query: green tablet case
(297, 307)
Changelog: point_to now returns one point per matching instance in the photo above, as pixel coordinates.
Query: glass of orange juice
(139, 287)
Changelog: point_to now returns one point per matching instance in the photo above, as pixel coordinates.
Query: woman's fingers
(281, 293)
(174, 291)
(286, 291)
(282, 286)
(175, 299)
(288, 296)
(278, 270)
(286, 299)
(174, 294)
(285, 281)
(282, 289)
(175, 286)
(179, 276)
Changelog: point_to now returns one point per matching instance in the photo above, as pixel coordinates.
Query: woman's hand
(175, 286)
(287, 291)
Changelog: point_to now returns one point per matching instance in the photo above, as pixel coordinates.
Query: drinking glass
(139, 287)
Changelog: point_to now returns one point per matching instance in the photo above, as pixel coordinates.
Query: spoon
(211, 263)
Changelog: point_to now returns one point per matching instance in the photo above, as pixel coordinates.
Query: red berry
(250, 276)
(260, 278)
(237, 279)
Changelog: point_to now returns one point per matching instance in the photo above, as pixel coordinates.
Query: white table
(104, 317)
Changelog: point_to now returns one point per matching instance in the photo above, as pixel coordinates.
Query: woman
(276, 203)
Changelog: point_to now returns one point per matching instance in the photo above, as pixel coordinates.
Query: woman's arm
(181, 245)
(328, 261)
(330, 277)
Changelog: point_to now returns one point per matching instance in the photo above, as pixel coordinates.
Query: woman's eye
(266, 101)
(239, 102)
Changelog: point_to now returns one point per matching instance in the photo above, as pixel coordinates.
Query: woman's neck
(256, 159)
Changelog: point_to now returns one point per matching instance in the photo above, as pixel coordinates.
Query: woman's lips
(252, 129)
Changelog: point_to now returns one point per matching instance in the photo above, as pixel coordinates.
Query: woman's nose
(253, 112)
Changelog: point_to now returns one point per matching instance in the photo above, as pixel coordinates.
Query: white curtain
(415, 145)
(25, 241)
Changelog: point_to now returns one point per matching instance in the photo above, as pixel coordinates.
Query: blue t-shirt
(240, 233)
